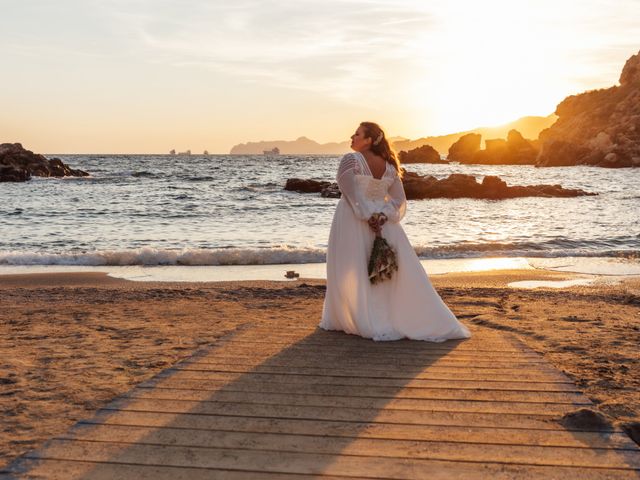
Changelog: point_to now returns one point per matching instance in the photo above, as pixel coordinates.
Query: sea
(152, 217)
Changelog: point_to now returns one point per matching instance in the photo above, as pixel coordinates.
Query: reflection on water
(277, 272)
(551, 283)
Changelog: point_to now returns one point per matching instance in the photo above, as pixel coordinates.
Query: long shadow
(252, 404)
(248, 398)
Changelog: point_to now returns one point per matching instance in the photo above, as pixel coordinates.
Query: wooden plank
(446, 347)
(409, 382)
(64, 470)
(417, 360)
(384, 359)
(315, 358)
(311, 362)
(212, 386)
(480, 451)
(238, 414)
(426, 351)
(199, 405)
(53, 469)
(285, 333)
(467, 434)
(556, 437)
(298, 463)
(529, 376)
(379, 351)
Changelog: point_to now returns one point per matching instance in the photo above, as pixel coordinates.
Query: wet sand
(69, 343)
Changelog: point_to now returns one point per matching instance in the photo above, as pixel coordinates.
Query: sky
(146, 76)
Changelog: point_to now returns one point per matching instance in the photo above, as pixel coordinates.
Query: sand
(70, 343)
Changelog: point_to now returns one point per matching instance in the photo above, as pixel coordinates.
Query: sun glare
(493, 67)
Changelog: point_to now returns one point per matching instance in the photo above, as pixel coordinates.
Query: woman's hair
(380, 145)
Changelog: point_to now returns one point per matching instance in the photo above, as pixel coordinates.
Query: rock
(332, 191)
(423, 154)
(631, 71)
(456, 185)
(18, 164)
(586, 419)
(492, 188)
(305, 186)
(598, 127)
(514, 150)
(414, 184)
(558, 153)
(9, 173)
(465, 148)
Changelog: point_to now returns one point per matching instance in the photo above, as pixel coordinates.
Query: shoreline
(71, 342)
(586, 269)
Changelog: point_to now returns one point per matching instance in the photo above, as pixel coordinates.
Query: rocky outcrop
(515, 150)
(305, 185)
(530, 127)
(465, 148)
(18, 164)
(423, 154)
(597, 127)
(326, 189)
(457, 185)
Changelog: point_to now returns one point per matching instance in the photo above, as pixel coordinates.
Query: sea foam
(155, 256)
(282, 255)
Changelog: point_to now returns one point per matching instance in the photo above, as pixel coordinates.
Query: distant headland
(598, 128)
(529, 126)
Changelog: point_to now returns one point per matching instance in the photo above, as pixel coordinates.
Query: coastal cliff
(597, 127)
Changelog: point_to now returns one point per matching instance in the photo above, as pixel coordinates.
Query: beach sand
(70, 343)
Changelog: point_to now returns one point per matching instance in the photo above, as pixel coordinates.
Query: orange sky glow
(116, 76)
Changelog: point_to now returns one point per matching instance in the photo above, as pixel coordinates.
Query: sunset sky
(138, 76)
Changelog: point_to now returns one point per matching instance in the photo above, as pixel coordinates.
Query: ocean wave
(203, 178)
(153, 256)
(552, 248)
(285, 254)
(144, 173)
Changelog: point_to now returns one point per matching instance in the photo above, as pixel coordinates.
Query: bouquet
(382, 262)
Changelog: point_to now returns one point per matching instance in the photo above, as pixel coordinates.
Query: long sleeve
(396, 206)
(347, 184)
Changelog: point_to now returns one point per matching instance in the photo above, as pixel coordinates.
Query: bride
(373, 199)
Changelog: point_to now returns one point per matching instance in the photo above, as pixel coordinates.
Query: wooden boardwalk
(304, 403)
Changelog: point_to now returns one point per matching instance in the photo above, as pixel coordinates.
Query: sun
(492, 66)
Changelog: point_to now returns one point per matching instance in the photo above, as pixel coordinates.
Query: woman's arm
(347, 184)
(396, 205)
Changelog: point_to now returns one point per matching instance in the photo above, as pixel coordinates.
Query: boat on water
(273, 151)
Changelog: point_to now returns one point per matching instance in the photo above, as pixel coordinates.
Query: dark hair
(383, 149)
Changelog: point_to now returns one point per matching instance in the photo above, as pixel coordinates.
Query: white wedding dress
(405, 306)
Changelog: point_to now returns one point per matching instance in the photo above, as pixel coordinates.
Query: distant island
(301, 145)
(529, 126)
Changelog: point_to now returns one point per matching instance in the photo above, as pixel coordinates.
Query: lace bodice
(368, 194)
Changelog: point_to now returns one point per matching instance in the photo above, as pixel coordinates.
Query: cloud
(338, 48)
